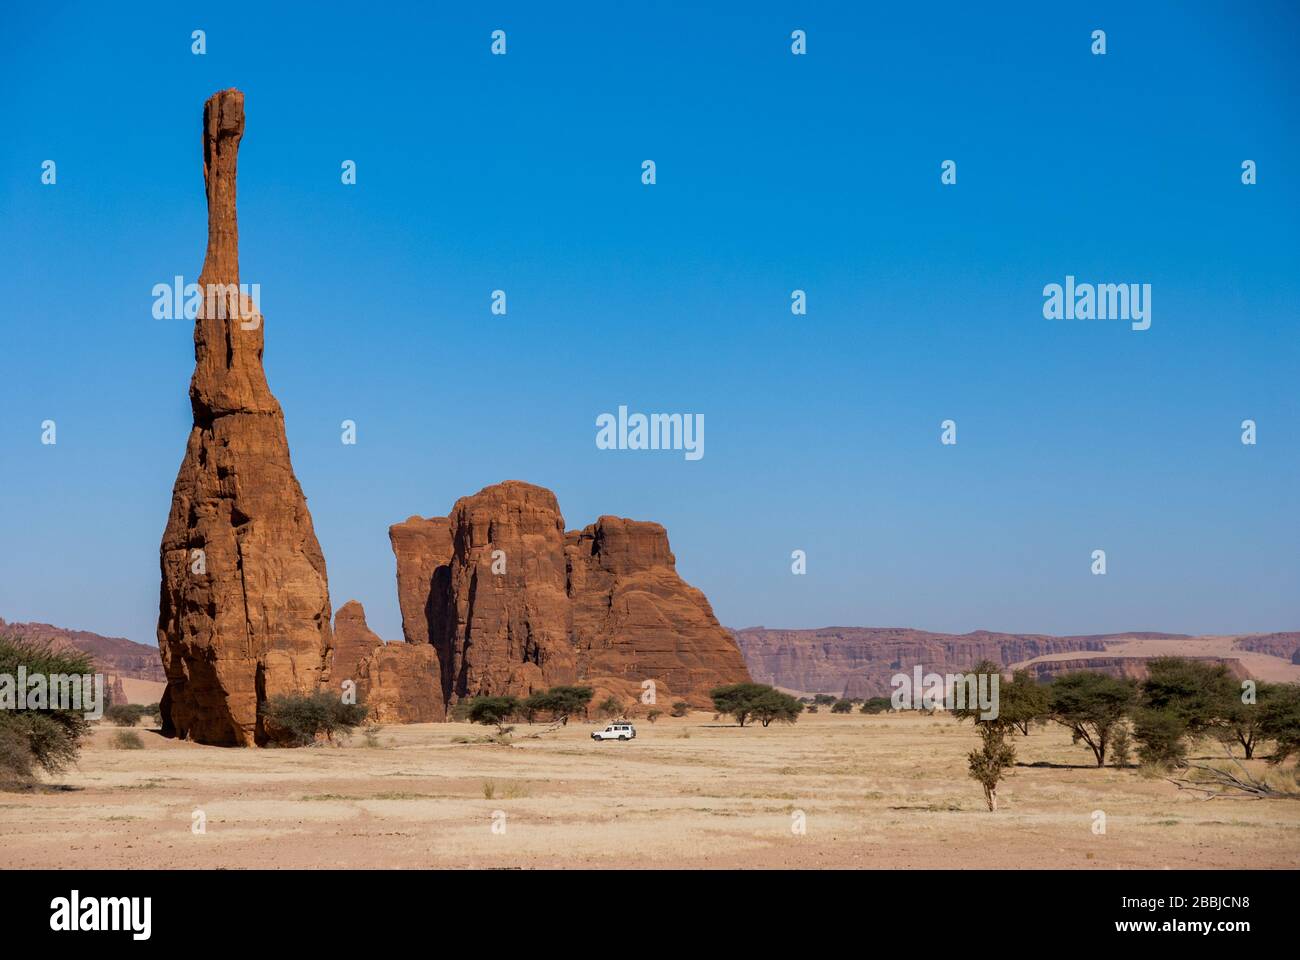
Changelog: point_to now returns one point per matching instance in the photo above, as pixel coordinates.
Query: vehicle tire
(622, 738)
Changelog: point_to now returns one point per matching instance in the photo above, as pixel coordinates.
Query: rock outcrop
(634, 618)
(398, 682)
(353, 642)
(244, 612)
(512, 603)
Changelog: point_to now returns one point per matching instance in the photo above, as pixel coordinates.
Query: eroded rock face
(635, 619)
(398, 682)
(512, 603)
(244, 612)
(353, 642)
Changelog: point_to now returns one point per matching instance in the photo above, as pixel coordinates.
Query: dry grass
(874, 791)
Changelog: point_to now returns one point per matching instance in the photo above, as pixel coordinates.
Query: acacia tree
(560, 702)
(493, 710)
(1023, 701)
(775, 705)
(1280, 721)
(1093, 707)
(738, 699)
(990, 763)
(1182, 701)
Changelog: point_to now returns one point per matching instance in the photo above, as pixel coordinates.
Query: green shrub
(842, 706)
(611, 706)
(125, 714)
(299, 720)
(126, 740)
(559, 703)
(493, 710)
(1280, 721)
(877, 705)
(32, 740)
(681, 708)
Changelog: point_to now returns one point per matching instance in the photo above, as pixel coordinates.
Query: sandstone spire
(244, 612)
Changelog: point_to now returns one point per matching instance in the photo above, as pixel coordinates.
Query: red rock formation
(353, 642)
(398, 682)
(116, 691)
(512, 604)
(252, 620)
(635, 619)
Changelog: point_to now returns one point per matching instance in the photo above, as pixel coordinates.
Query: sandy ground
(142, 691)
(876, 792)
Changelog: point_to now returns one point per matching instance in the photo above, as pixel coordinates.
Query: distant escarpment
(1122, 668)
(859, 661)
(116, 656)
(512, 603)
(1284, 645)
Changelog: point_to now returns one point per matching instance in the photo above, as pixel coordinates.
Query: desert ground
(875, 791)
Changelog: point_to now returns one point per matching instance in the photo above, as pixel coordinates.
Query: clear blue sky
(775, 172)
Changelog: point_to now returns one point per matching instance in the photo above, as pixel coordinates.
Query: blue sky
(775, 172)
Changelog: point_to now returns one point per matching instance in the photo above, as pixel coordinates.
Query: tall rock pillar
(244, 612)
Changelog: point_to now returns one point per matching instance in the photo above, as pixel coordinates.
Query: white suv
(615, 731)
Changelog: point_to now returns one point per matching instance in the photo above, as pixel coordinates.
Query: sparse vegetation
(493, 711)
(559, 703)
(842, 706)
(773, 705)
(1091, 706)
(128, 714)
(126, 740)
(990, 763)
(41, 739)
(611, 706)
(301, 720)
(746, 700)
(1280, 721)
(876, 705)
(681, 708)
(1024, 701)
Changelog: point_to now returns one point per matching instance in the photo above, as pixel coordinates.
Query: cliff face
(859, 661)
(634, 618)
(1284, 645)
(512, 603)
(244, 611)
(1122, 668)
